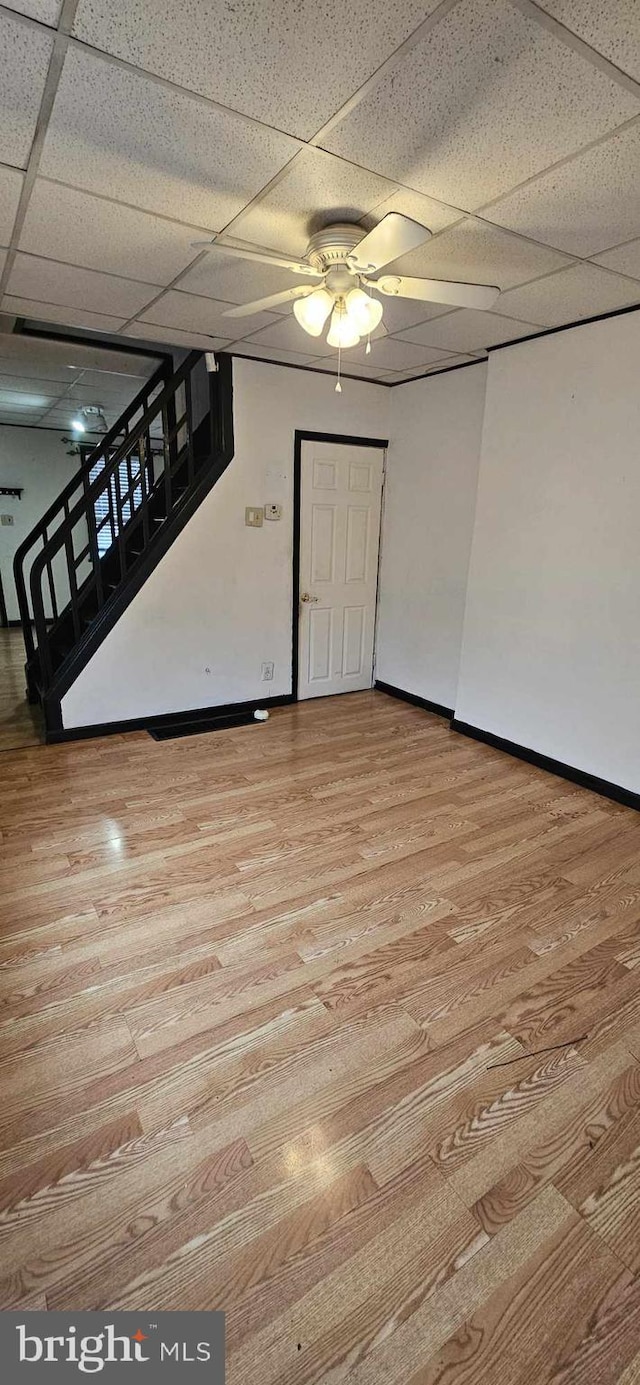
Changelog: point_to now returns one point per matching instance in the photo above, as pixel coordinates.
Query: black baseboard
(202, 728)
(195, 718)
(577, 776)
(416, 701)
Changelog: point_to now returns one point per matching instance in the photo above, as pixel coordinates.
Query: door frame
(304, 435)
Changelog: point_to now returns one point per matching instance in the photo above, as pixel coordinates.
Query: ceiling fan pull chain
(338, 389)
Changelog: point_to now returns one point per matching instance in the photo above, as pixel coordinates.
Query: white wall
(435, 431)
(36, 459)
(551, 646)
(221, 598)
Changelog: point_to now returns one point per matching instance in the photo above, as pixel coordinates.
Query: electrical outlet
(267, 672)
(6, 519)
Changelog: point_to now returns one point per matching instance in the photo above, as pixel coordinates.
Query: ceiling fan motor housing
(329, 249)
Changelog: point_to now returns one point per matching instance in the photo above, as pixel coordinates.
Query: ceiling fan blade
(394, 236)
(263, 256)
(437, 291)
(259, 304)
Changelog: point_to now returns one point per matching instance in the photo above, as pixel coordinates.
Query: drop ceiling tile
(587, 205)
(316, 190)
(389, 353)
(583, 291)
(8, 417)
(489, 98)
(290, 64)
(21, 399)
(24, 61)
(173, 336)
(289, 336)
(51, 282)
(64, 224)
(14, 366)
(113, 130)
(237, 281)
(401, 377)
(625, 259)
(610, 28)
(328, 365)
(401, 313)
(23, 384)
(69, 317)
(46, 11)
(204, 315)
(434, 215)
(468, 330)
(476, 252)
(270, 353)
(10, 189)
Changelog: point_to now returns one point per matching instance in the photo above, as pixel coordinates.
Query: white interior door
(340, 498)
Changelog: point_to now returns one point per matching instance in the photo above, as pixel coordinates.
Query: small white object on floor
(261, 714)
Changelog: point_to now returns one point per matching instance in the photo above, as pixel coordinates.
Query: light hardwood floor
(19, 723)
(334, 1023)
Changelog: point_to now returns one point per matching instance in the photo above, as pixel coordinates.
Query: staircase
(92, 551)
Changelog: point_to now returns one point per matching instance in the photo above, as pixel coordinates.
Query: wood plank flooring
(20, 724)
(334, 1023)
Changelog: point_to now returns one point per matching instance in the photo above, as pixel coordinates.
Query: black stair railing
(39, 536)
(128, 490)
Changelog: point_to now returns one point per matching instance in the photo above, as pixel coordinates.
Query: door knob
(307, 598)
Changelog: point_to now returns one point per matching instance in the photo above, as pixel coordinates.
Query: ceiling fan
(342, 264)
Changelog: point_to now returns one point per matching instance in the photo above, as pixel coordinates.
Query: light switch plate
(6, 519)
(254, 516)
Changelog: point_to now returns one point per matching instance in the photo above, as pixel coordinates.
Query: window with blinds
(105, 506)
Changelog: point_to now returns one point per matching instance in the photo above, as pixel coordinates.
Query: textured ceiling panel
(67, 225)
(173, 336)
(204, 315)
(289, 336)
(398, 377)
(62, 361)
(583, 291)
(468, 330)
(329, 366)
(10, 189)
(609, 26)
(237, 281)
(625, 259)
(25, 416)
(487, 100)
(390, 354)
(263, 59)
(434, 215)
(118, 132)
(25, 52)
(476, 252)
(271, 353)
(15, 399)
(51, 282)
(316, 190)
(46, 11)
(70, 317)
(584, 206)
(400, 313)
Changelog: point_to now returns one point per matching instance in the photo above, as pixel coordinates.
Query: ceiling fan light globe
(343, 331)
(312, 312)
(364, 312)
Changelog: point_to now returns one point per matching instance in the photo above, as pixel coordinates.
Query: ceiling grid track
(528, 267)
